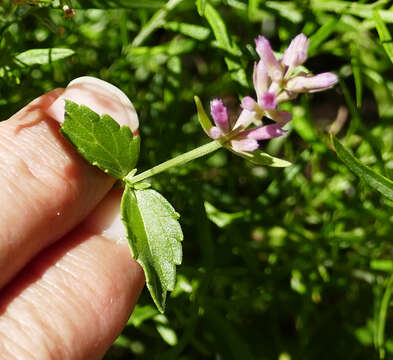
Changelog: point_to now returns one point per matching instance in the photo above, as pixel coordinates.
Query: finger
(96, 97)
(46, 187)
(74, 299)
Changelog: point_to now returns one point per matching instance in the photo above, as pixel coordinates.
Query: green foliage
(301, 269)
(154, 236)
(384, 34)
(101, 140)
(203, 118)
(261, 158)
(43, 56)
(375, 180)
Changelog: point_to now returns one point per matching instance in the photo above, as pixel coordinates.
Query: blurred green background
(284, 264)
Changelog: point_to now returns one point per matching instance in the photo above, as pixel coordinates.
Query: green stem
(176, 161)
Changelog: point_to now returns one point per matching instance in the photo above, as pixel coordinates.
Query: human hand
(67, 280)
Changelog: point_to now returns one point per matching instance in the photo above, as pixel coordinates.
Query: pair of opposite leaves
(153, 232)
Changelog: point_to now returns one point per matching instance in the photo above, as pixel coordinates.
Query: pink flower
(268, 101)
(265, 51)
(260, 78)
(274, 82)
(246, 140)
(310, 84)
(296, 53)
(220, 114)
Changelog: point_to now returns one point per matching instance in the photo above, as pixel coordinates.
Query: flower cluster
(275, 81)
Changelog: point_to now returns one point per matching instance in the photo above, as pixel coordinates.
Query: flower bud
(220, 114)
(296, 53)
(265, 51)
(312, 83)
(265, 132)
(260, 78)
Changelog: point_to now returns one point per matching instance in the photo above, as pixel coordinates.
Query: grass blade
(384, 34)
(385, 302)
(155, 22)
(370, 177)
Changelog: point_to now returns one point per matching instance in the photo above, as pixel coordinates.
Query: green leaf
(356, 63)
(254, 13)
(43, 56)
(321, 35)
(383, 310)
(218, 26)
(141, 314)
(119, 4)
(100, 140)
(156, 21)
(201, 4)
(384, 34)
(194, 31)
(370, 177)
(287, 9)
(154, 235)
(261, 158)
(166, 332)
(223, 41)
(381, 265)
(202, 116)
(221, 218)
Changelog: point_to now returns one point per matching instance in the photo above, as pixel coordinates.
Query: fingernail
(105, 219)
(100, 96)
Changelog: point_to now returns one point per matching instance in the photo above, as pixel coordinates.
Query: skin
(67, 281)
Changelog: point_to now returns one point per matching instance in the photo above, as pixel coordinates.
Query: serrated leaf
(101, 140)
(202, 116)
(43, 56)
(155, 236)
(369, 176)
(261, 158)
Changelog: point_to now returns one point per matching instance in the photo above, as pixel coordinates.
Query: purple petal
(268, 101)
(244, 145)
(265, 132)
(312, 83)
(265, 51)
(215, 132)
(260, 78)
(279, 116)
(220, 114)
(296, 53)
(248, 103)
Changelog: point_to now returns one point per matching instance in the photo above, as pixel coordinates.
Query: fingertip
(99, 95)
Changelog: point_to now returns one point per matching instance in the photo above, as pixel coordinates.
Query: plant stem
(176, 161)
